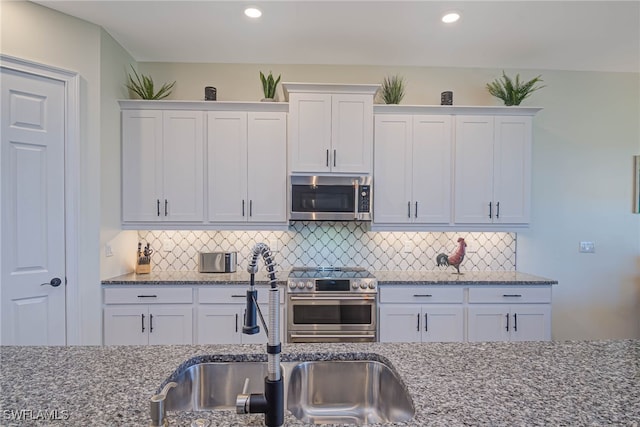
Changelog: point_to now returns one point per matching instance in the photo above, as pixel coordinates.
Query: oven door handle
(332, 336)
(344, 298)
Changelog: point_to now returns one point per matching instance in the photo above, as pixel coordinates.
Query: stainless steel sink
(317, 392)
(347, 392)
(206, 386)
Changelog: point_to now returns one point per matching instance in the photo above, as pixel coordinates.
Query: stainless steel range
(328, 304)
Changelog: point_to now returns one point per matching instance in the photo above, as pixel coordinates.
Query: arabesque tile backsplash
(336, 244)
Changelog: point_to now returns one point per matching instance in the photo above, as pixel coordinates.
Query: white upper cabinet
(247, 174)
(162, 166)
(492, 169)
(330, 128)
(412, 175)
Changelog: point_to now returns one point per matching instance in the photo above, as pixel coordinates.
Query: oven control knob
(355, 284)
(301, 285)
(292, 285)
(363, 285)
(372, 285)
(309, 285)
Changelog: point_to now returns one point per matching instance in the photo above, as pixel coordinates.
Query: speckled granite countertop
(193, 278)
(531, 383)
(468, 278)
(384, 278)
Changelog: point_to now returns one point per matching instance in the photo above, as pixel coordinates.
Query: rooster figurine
(455, 259)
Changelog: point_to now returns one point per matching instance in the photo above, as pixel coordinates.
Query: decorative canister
(446, 98)
(210, 93)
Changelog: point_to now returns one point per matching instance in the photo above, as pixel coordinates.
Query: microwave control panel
(364, 198)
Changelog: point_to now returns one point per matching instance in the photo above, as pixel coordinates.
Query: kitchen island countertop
(526, 383)
(425, 277)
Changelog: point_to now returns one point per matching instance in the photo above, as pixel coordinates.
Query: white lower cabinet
(221, 311)
(509, 314)
(128, 321)
(421, 314)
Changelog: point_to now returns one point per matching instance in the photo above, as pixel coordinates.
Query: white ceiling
(563, 35)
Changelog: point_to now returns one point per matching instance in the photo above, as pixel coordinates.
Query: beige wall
(36, 33)
(584, 140)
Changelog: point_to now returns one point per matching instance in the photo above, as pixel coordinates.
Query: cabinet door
(227, 160)
(431, 157)
(488, 323)
(182, 165)
(442, 323)
(400, 323)
(392, 172)
(474, 169)
(126, 325)
(309, 132)
(351, 133)
(141, 165)
(512, 169)
(267, 167)
(219, 324)
(531, 322)
(170, 325)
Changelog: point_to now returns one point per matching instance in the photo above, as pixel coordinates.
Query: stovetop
(329, 273)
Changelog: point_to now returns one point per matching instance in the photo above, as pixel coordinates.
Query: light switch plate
(587, 247)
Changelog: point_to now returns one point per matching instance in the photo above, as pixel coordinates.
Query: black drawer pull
(147, 296)
(511, 295)
(238, 296)
(422, 295)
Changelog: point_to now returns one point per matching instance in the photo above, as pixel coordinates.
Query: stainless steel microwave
(330, 198)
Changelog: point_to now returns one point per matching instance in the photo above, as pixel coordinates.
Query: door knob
(55, 282)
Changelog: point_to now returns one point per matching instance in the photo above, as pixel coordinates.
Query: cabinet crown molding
(455, 109)
(362, 89)
(143, 104)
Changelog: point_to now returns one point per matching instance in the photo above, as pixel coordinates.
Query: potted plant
(143, 87)
(513, 92)
(269, 86)
(392, 90)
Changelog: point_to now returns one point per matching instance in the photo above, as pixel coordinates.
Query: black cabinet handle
(147, 296)
(334, 158)
(236, 322)
(416, 212)
(409, 209)
(151, 323)
(158, 206)
(515, 322)
(422, 295)
(490, 210)
(426, 324)
(511, 295)
(498, 210)
(242, 207)
(142, 322)
(327, 162)
(507, 322)
(418, 326)
(166, 210)
(250, 207)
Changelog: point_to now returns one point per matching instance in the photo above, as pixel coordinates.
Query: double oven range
(329, 304)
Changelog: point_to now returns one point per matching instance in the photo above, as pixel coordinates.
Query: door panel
(400, 323)
(33, 216)
(170, 325)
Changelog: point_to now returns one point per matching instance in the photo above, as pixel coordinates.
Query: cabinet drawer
(148, 295)
(510, 295)
(422, 294)
(233, 294)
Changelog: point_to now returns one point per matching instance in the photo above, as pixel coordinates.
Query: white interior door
(32, 234)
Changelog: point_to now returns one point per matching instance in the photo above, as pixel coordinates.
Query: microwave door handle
(356, 188)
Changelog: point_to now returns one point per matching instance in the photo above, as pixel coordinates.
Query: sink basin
(206, 386)
(316, 392)
(347, 392)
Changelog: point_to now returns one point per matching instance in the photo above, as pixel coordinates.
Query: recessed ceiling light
(450, 17)
(253, 12)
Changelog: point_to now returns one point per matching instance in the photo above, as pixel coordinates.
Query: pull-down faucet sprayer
(271, 403)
